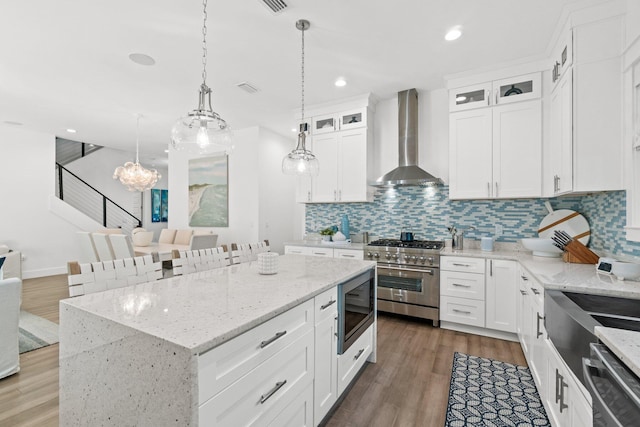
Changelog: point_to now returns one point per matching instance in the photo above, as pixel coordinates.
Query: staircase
(82, 196)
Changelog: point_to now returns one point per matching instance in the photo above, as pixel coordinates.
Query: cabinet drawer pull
(329, 304)
(525, 278)
(347, 256)
(357, 356)
(535, 291)
(461, 265)
(488, 189)
(461, 311)
(461, 285)
(523, 292)
(278, 335)
(539, 318)
(271, 392)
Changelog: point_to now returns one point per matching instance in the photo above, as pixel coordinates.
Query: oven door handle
(589, 370)
(413, 270)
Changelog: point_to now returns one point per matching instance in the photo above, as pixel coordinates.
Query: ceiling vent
(247, 87)
(276, 6)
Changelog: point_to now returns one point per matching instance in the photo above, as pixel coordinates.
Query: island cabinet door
(259, 397)
(225, 364)
(326, 353)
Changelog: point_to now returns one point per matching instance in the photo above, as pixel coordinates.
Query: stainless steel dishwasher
(614, 388)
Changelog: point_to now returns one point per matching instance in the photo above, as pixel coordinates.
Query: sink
(571, 319)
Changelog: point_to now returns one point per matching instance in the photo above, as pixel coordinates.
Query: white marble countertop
(202, 310)
(320, 244)
(624, 344)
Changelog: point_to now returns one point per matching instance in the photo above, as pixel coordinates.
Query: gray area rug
(35, 332)
(486, 392)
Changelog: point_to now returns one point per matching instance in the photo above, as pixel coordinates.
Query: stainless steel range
(408, 276)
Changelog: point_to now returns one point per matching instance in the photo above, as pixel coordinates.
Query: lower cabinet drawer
(297, 250)
(260, 396)
(298, 413)
(225, 364)
(350, 362)
(348, 253)
(322, 252)
(326, 305)
(462, 310)
(463, 285)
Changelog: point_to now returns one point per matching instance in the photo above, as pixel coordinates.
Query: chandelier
(202, 130)
(301, 161)
(134, 175)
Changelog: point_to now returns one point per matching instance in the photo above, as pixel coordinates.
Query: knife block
(577, 253)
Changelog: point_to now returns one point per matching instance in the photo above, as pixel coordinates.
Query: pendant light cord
(204, 43)
(302, 78)
(137, 137)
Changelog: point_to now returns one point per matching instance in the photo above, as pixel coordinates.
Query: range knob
(395, 256)
(430, 259)
(369, 255)
(413, 258)
(387, 255)
(422, 259)
(376, 255)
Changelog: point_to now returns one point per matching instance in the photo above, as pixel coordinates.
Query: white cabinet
(584, 149)
(350, 362)
(632, 144)
(462, 296)
(496, 151)
(566, 400)
(343, 167)
(501, 288)
(326, 353)
(325, 252)
(497, 92)
(531, 329)
(342, 141)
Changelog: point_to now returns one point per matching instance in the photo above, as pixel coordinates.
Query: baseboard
(508, 336)
(43, 272)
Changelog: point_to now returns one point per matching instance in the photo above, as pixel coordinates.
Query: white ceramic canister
(486, 244)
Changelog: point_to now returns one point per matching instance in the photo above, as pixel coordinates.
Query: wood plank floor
(408, 386)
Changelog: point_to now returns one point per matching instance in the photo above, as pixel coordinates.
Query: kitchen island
(134, 355)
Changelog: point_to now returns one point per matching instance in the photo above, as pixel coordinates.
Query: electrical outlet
(498, 230)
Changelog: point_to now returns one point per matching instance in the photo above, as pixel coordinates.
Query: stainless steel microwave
(356, 308)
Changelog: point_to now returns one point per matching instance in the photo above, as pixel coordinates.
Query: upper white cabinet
(584, 150)
(497, 92)
(496, 150)
(343, 143)
(632, 144)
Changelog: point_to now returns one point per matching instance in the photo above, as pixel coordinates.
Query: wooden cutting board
(568, 221)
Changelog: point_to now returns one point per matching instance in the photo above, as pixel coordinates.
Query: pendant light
(301, 161)
(133, 175)
(202, 130)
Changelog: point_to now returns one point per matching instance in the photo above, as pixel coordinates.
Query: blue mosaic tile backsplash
(427, 211)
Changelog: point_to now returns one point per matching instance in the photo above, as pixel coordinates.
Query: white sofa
(12, 266)
(10, 298)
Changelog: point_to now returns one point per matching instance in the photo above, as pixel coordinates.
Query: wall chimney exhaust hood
(407, 172)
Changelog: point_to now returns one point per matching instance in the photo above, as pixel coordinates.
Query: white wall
(27, 173)
(433, 134)
(632, 19)
(261, 200)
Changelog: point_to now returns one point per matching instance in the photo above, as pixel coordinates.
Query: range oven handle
(589, 370)
(426, 270)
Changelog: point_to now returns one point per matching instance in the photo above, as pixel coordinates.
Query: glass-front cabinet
(497, 92)
(350, 119)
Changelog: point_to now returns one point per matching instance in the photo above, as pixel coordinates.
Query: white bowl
(625, 270)
(541, 246)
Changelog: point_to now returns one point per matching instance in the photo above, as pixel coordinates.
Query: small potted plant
(326, 234)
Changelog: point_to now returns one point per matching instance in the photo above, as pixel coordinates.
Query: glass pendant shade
(202, 130)
(301, 161)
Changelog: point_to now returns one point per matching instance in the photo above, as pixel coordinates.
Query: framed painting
(164, 205)
(209, 192)
(155, 205)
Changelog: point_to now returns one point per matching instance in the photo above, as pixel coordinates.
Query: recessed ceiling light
(71, 130)
(294, 130)
(142, 59)
(12, 123)
(340, 82)
(453, 34)
(166, 151)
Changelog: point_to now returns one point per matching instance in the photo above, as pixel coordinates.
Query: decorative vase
(345, 226)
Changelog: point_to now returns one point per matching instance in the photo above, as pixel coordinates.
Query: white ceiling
(64, 63)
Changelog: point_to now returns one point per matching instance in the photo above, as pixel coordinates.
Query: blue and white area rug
(486, 392)
(35, 332)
